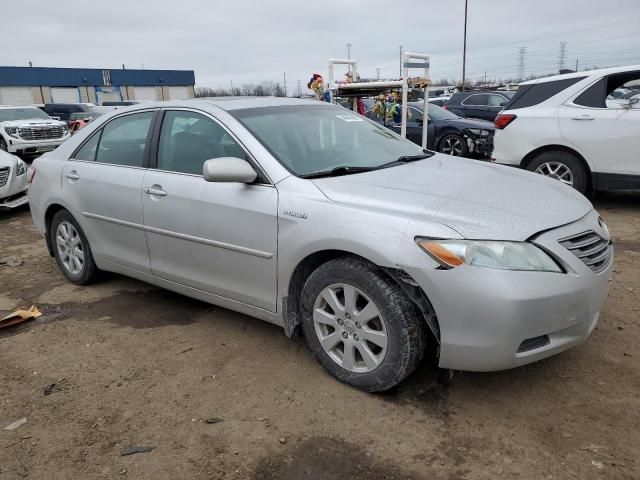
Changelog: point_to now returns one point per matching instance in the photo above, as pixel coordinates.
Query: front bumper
(480, 145)
(494, 320)
(27, 147)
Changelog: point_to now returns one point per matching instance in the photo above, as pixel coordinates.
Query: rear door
(605, 132)
(216, 237)
(476, 106)
(102, 185)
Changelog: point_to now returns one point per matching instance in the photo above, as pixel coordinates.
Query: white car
(564, 127)
(13, 181)
(29, 131)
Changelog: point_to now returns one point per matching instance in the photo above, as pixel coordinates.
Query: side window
(496, 100)
(123, 140)
(88, 150)
(188, 139)
(479, 99)
(535, 93)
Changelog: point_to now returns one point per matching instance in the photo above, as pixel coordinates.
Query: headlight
(479, 132)
(22, 168)
(65, 128)
(489, 254)
(12, 131)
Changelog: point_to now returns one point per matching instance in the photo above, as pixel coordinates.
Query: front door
(101, 184)
(217, 237)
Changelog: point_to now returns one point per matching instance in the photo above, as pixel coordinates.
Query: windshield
(439, 113)
(307, 139)
(26, 113)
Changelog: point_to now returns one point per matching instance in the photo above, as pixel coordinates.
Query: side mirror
(503, 103)
(632, 103)
(228, 169)
(55, 118)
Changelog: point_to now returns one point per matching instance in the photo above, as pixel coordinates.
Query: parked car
(482, 105)
(63, 111)
(28, 130)
(447, 132)
(439, 101)
(302, 213)
(564, 127)
(13, 181)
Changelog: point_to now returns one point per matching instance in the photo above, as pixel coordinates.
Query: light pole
(400, 62)
(464, 47)
(378, 73)
(349, 56)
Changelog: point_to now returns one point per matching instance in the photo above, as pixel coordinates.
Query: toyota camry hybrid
(306, 215)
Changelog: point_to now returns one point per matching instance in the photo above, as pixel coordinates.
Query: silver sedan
(307, 215)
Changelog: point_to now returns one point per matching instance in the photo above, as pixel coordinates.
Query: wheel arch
(48, 218)
(304, 268)
(528, 158)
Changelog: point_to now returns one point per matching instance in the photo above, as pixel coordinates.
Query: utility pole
(562, 55)
(377, 73)
(299, 89)
(232, 88)
(522, 51)
(349, 57)
(400, 70)
(284, 82)
(485, 77)
(464, 46)
(576, 64)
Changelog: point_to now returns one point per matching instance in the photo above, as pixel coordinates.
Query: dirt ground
(138, 366)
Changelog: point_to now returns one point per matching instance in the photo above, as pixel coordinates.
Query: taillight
(504, 119)
(31, 174)
(445, 106)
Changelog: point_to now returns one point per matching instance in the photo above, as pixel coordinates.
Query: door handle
(583, 117)
(72, 175)
(155, 190)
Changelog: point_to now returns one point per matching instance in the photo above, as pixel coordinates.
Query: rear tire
(373, 337)
(71, 249)
(562, 166)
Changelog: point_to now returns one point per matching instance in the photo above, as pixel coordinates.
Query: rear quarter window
(530, 95)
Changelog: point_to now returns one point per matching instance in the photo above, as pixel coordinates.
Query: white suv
(567, 127)
(29, 131)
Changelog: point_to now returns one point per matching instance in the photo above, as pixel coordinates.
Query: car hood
(33, 122)
(470, 123)
(8, 160)
(479, 200)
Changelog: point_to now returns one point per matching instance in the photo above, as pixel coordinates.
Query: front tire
(71, 249)
(562, 166)
(453, 144)
(360, 325)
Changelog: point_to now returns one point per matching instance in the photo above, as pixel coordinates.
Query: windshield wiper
(407, 159)
(343, 170)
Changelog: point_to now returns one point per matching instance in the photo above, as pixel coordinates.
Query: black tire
(453, 137)
(3, 144)
(405, 327)
(570, 161)
(89, 272)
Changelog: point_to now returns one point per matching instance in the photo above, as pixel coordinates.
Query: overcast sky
(250, 41)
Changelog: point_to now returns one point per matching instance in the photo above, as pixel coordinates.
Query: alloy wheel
(350, 328)
(557, 171)
(452, 146)
(69, 247)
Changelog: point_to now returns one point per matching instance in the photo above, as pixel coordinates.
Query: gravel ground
(138, 366)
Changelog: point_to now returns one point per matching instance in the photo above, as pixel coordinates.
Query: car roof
(231, 103)
(6, 107)
(586, 73)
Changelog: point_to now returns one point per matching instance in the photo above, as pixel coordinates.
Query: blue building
(36, 85)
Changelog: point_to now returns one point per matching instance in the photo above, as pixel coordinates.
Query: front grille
(40, 133)
(4, 176)
(591, 248)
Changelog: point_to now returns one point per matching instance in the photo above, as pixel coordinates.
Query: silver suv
(304, 214)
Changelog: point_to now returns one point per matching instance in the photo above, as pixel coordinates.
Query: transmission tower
(562, 55)
(522, 51)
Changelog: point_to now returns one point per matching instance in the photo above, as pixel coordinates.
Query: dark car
(447, 132)
(63, 111)
(482, 105)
